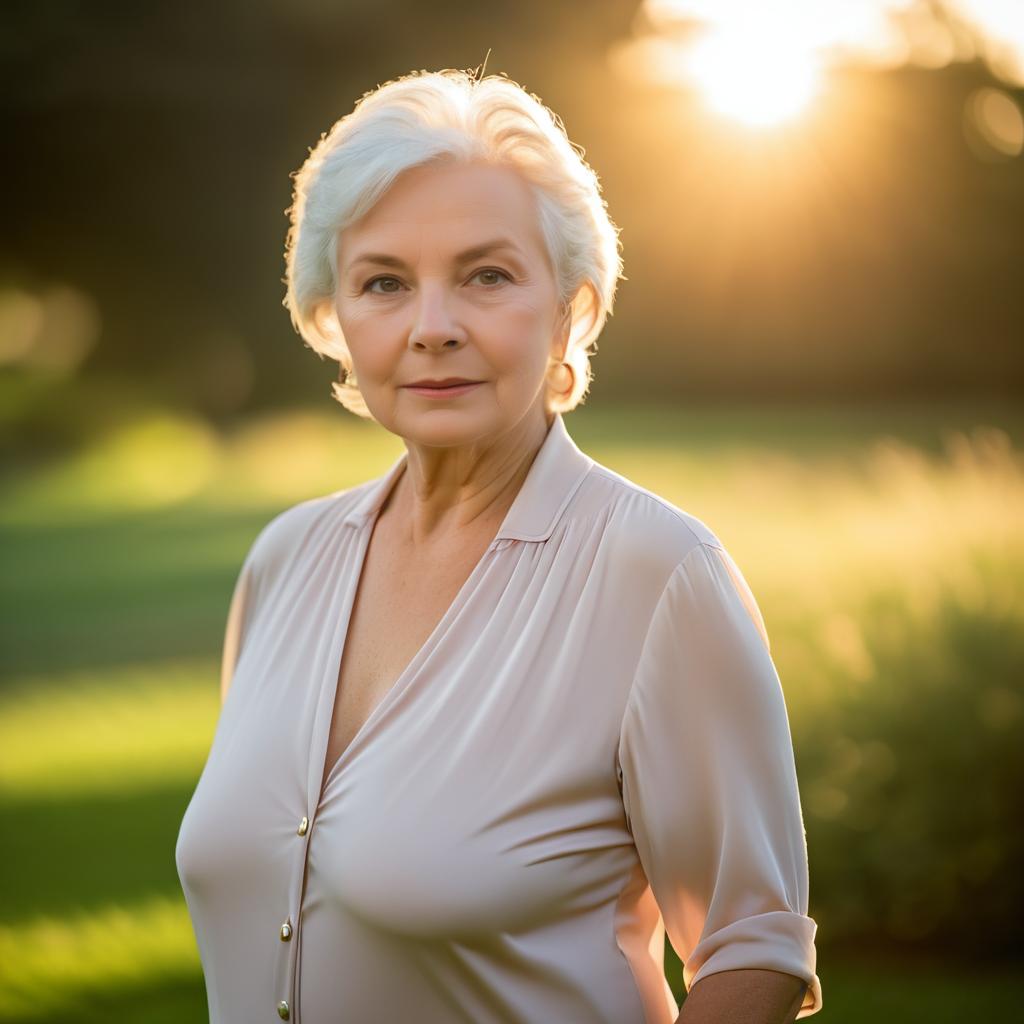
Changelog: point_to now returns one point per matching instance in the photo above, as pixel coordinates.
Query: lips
(443, 392)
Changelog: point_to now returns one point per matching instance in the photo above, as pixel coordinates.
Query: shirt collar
(555, 473)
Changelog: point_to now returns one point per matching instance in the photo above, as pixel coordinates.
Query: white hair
(426, 117)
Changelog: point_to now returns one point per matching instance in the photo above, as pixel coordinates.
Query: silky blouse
(589, 752)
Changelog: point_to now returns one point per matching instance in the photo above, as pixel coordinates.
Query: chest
(400, 601)
(481, 791)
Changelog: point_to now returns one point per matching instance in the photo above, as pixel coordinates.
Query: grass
(883, 545)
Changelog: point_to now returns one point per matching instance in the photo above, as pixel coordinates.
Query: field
(885, 547)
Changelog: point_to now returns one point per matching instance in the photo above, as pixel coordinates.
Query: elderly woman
(496, 721)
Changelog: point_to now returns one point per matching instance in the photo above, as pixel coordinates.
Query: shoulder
(686, 555)
(652, 534)
(289, 530)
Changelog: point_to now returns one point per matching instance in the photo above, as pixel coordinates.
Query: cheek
(372, 346)
(517, 342)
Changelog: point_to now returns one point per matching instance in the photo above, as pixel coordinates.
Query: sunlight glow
(758, 84)
(994, 121)
(762, 64)
(1000, 24)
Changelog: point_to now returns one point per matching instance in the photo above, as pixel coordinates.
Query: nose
(433, 324)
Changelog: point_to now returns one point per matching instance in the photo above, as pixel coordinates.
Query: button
(286, 930)
(282, 1010)
(303, 826)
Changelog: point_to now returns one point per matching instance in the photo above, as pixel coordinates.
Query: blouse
(589, 752)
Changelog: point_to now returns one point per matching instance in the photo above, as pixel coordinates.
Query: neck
(445, 491)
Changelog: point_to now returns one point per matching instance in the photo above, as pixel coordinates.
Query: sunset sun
(742, 78)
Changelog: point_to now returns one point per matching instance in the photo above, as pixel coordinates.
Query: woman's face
(415, 301)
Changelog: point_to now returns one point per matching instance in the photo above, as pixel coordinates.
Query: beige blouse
(590, 750)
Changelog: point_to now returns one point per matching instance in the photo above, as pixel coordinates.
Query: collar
(555, 473)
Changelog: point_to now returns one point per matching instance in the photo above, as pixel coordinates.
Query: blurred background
(818, 349)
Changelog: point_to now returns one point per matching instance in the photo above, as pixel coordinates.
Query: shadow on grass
(88, 852)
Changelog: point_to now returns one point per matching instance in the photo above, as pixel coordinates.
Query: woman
(499, 719)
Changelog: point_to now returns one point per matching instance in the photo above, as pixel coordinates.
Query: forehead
(448, 207)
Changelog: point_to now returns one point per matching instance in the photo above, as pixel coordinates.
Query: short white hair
(449, 115)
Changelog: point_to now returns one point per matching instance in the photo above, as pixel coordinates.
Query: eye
(368, 286)
(493, 270)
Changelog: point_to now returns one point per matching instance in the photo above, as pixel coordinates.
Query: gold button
(303, 826)
(282, 1010)
(286, 930)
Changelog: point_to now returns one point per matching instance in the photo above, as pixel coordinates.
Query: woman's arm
(710, 791)
(744, 997)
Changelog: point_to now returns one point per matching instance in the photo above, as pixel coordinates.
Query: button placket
(289, 931)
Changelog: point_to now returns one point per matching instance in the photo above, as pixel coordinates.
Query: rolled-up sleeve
(709, 781)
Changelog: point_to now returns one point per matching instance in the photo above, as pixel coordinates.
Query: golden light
(994, 124)
(762, 64)
(757, 81)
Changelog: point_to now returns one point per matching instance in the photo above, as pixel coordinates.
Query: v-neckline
(329, 699)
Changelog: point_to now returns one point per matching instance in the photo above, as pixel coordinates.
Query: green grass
(884, 546)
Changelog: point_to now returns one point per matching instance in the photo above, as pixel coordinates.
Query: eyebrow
(467, 255)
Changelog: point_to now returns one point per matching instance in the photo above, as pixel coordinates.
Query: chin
(447, 426)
